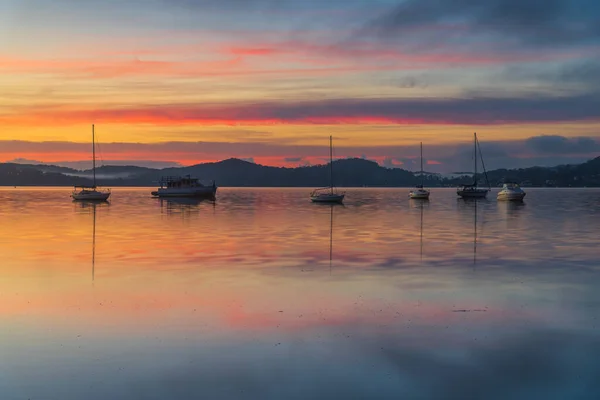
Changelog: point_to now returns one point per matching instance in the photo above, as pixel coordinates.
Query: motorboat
(184, 186)
(511, 191)
(93, 192)
(473, 191)
(328, 194)
(420, 193)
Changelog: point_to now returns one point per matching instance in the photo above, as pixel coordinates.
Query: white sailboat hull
(419, 194)
(200, 191)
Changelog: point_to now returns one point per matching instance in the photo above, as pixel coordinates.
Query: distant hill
(354, 172)
(581, 175)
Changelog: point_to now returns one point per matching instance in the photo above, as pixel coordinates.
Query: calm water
(263, 295)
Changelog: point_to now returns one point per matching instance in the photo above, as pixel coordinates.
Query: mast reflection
(331, 208)
(92, 206)
(421, 204)
(473, 204)
(475, 233)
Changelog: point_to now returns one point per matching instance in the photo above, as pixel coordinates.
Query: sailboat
(328, 194)
(472, 191)
(420, 192)
(91, 193)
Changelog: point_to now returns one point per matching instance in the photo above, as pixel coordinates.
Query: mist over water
(264, 295)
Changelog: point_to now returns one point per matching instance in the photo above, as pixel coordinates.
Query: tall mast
(483, 165)
(475, 157)
(94, 153)
(422, 181)
(331, 163)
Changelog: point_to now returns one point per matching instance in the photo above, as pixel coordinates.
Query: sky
(170, 82)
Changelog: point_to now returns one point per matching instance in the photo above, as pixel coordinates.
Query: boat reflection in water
(331, 206)
(222, 305)
(184, 206)
(473, 206)
(91, 205)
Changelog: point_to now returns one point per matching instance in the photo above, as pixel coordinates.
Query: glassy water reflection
(263, 295)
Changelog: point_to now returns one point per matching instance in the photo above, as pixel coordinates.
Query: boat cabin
(173, 182)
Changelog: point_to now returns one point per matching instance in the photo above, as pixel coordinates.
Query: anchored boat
(511, 191)
(420, 192)
(473, 191)
(328, 194)
(91, 193)
(184, 186)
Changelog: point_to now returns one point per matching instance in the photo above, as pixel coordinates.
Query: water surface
(263, 295)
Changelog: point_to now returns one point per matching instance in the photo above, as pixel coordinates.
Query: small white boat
(511, 192)
(420, 193)
(91, 193)
(328, 194)
(184, 186)
(473, 191)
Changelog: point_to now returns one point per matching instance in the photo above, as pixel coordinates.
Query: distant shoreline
(349, 173)
(69, 187)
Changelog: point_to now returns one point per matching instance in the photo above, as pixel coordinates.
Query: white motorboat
(420, 193)
(184, 186)
(93, 192)
(511, 192)
(472, 191)
(328, 194)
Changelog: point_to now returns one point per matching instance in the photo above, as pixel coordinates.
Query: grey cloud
(87, 164)
(410, 164)
(575, 76)
(554, 144)
(534, 22)
(587, 72)
(472, 110)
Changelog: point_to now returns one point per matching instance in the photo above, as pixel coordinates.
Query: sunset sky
(188, 81)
